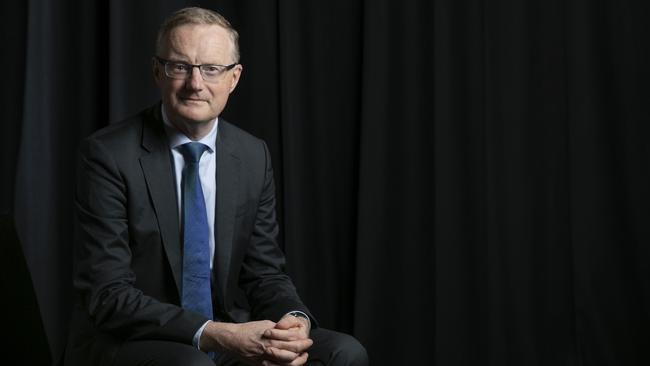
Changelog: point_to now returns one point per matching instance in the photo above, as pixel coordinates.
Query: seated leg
(336, 349)
(160, 353)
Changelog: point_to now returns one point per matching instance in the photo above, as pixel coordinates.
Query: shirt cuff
(197, 336)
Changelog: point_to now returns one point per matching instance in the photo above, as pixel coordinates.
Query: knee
(191, 357)
(350, 352)
(200, 360)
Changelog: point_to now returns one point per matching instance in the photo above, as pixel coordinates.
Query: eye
(211, 69)
(180, 68)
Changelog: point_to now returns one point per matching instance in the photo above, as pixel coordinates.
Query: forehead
(199, 43)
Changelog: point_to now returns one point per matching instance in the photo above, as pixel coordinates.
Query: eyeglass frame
(166, 62)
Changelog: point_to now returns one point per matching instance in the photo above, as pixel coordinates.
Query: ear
(157, 71)
(236, 74)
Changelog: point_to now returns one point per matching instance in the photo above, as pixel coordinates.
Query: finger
(280, 355)
(286, 334)
(300, 360)
(288, 322)
(297, 346)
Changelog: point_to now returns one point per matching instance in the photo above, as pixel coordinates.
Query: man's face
(194, 100)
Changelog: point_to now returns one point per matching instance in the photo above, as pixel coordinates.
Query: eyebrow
(189, 63)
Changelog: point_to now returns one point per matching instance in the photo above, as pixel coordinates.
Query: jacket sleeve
(103, 278)
(269, 289)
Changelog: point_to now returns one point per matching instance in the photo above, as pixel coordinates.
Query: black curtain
(460, 182)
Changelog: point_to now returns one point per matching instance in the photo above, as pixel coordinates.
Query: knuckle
(305, 344)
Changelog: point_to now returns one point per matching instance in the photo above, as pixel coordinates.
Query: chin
(196, 114)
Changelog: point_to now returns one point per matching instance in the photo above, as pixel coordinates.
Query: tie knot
(192, 151)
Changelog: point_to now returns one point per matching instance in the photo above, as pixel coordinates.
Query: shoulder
(130, 127)
(236, 135)
(241, 142)
(125, 136)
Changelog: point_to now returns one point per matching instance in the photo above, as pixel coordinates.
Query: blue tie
(196, 294)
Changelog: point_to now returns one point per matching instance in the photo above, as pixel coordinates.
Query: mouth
(192, 100)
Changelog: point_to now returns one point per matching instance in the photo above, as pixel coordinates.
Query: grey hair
(195, 15)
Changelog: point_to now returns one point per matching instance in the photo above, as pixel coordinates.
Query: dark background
(460, 182)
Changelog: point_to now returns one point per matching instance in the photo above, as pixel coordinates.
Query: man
(176, 259)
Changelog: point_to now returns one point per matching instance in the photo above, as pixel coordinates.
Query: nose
(195, 80)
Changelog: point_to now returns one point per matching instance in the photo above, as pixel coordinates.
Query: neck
(194, 130)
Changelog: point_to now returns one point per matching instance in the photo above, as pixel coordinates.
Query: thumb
(288, 322)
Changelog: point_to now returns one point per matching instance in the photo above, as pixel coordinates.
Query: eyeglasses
(181, 70)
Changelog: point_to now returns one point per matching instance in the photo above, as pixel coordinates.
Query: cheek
(167, 93)
(219, 96)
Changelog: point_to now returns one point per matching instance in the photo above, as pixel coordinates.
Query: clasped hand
(261, 342)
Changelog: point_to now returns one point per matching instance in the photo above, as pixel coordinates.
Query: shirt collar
(177, 138)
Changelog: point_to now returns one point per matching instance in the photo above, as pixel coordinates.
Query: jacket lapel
(159, 175)
(228, 169)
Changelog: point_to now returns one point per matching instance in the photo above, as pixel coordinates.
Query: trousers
(330, 348)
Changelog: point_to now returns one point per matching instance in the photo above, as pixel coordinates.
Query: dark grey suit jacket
(128, 244)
